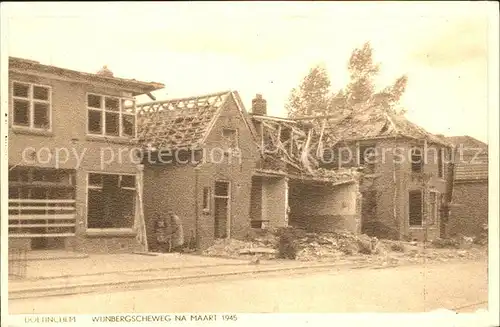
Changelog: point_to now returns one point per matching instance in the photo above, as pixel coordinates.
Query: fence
(41, 218)
(18, 263)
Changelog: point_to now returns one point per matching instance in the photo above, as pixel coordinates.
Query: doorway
(222, 209)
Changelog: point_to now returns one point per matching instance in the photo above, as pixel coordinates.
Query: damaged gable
(183, 123)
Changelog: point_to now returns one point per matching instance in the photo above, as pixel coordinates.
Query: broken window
(111, 116)
(31, 105)
(367, 155)
(111, 201)
(416, 160)
(415, 213)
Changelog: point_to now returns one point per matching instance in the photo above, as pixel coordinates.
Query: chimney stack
(104, 71)
(259, 105)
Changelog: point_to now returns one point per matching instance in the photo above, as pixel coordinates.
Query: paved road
(404, 289)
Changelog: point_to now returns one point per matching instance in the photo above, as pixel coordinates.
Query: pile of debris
(262, 243)
(325, 246)
(297, 244)
(290, 243)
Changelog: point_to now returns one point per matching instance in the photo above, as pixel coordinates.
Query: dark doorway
(369, 212)
(415, 199)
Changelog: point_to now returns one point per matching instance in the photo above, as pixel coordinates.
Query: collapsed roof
(181, 123)
(292, 147)
(371, 123)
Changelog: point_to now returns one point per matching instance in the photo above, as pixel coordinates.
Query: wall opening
(415, 214)
(111, 201)
(416, 160)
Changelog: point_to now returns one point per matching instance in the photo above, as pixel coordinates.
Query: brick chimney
(104, 71)
(259, 105)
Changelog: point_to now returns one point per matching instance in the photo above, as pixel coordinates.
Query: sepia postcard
(249, 163)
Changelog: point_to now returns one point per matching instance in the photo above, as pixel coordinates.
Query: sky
(197, 48)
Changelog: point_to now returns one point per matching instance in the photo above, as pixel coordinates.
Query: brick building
(406, 172)
(289, 188)
(469, 211)
(68, 186)
(211, 163)
(200, 155)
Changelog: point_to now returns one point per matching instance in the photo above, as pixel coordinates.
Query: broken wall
(169, 188)
(323, 208)
(256, 200)
(275, 201)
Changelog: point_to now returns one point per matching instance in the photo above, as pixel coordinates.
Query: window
(415, 214)
(366, 155)
(433, 208)
(111, 201)
(31, 106)
(416, 160)
(222, 189)
(231, 137)
(111, 116)
(207, 197)
(440, 163)
(221, 209)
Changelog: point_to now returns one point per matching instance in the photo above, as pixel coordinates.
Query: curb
(139, 270)
(95, 287)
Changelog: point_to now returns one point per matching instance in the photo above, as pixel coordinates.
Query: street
(415, 288)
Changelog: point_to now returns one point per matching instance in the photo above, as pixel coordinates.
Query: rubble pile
(227, 248)
(342, 245)
(261, 243)
(321, 246)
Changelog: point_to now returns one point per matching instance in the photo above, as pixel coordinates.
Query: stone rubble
(346, 247)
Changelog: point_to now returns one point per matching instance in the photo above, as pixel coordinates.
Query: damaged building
(289, 188)
(406, 180)
(223, 170)
(201, 155)
(62, 194)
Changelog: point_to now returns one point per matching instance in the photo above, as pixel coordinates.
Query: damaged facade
(90, 170)
(62, 195)
(406, 173)
(290, 188)
(225, 171)
(201, 155)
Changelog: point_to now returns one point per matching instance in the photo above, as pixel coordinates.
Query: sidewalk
(43, 268)
(126, 271)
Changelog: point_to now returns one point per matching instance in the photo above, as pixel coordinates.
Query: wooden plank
(43, 208)
(40, 201)
(41, 217)
(42, 225)
(42, 235)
